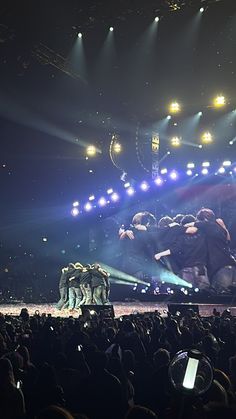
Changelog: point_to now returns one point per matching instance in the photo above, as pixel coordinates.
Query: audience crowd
(96, 366)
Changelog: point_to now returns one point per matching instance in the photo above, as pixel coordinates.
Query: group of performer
(196, 248)
(83, 285)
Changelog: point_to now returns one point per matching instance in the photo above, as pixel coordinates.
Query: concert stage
(120, 308)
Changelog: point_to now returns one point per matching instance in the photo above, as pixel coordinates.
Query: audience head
(98, 361)
(217, 394)
(54, 412)
(223, 379)
(6, 373)
(161, 358)
(139, 412)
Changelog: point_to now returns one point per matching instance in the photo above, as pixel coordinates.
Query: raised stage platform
(120, 308)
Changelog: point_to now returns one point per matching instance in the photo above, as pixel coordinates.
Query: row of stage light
(205, 139)
(191, 172)
(156, 20)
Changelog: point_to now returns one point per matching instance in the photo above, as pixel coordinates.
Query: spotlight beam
(115, 273)
(164, 157)
(164, 275)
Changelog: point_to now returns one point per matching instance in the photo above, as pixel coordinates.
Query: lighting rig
(192, 171)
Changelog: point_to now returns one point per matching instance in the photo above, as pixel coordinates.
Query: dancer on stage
(66, 273)
(63, 288)
(100, 285)
(75, 294)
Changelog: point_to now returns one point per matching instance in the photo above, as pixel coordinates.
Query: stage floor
(120, 308)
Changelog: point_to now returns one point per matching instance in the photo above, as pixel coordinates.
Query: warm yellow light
(117, 148)
(174, 107)
(207, 137)
(219, 101)
(175, 141)
(91, 151)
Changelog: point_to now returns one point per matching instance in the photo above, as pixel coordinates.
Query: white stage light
(226, 163)
(190, 166)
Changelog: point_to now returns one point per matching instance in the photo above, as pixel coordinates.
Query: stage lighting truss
(167, 176)
(48, 56)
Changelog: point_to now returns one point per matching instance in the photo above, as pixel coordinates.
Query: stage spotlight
(91, 151)
(190, 166)
(200, 146)
(199, 113)
(130, 191)
(205, 171)
(221, 170)
(111, 29)
(91, 198)
(109, 191)
(174, 175)
(175, 141)
(158, 181)
(157, 19)
(80, 35)
(201, 10)
(76, 204)
(88, 206)
(206, 164)
(207, 137)
(144, 186)
(115, 197)
(189, 172)
(219, 101)
(45, 239)
(102, 202)
(117, 148)
(234, 169)
(168, 117)
(163, 171)
(231, 142)
(74, 212)
(226, 163)
(127, 185)
(174, 107)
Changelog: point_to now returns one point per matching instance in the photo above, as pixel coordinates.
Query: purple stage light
(173, 175)
(115, 197)
(75, 211)
(158, 181)
(88, 206)
(189, 172)
(130, 191)
(205, 171)
(76, 204)
(102, 202)
(221, 170)
(144, 186)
